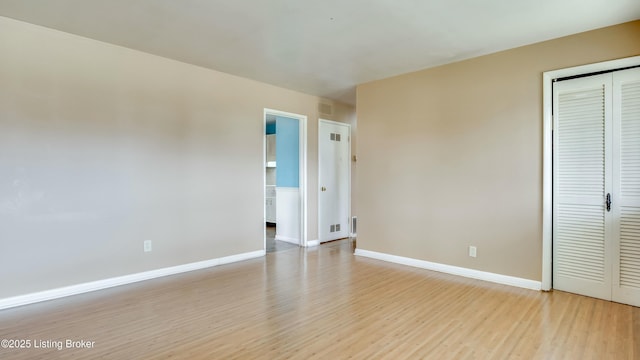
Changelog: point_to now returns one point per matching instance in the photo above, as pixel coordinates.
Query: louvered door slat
(626, 99)
(580, 230)
(580, 163)
(580, 145)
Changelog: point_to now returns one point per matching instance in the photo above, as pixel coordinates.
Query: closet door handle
(608, 202)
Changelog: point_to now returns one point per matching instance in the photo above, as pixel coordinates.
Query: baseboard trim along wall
(453, 270)
(311, 243)
(122, 280)
(287, 239)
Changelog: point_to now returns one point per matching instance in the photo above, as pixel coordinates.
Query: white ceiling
(326, 47)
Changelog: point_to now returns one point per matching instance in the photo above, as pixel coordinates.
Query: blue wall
(287, 152)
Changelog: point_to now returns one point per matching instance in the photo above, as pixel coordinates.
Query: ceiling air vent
(326, 109)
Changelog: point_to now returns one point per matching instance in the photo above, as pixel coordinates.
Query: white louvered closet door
(596, 186)
(626, 186)
(581, 179)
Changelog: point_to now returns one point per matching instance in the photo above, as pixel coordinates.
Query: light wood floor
(325, 303)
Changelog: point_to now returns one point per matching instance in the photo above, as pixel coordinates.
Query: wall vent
(354, 225)
(326, 109)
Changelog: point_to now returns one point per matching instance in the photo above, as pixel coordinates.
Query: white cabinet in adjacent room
(270, 171)
(270, 203)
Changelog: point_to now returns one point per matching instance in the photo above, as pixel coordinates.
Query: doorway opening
(285, 192)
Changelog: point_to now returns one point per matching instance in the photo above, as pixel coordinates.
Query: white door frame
(320, 121)
(302, 170)
(547, 151)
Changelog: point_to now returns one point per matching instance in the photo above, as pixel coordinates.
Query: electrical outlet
(472, 251)
(147, 245)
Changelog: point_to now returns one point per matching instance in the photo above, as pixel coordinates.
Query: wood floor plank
(324, 303)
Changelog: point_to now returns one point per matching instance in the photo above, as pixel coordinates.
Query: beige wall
(103, 147)
(452, 156)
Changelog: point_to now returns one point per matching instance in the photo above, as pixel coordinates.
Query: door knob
(323, 188)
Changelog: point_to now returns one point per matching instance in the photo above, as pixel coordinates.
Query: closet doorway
(596, 184)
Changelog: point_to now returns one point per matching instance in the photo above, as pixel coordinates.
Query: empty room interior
(319, 179)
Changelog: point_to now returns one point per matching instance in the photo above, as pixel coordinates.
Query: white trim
(312, 243)
(302, 168)
(547, 182)
(288, 239)
(303, 182)
(320, 121)
(264, 181)
(547, 152)
(122, 280)
(353, 235)
(454, 270)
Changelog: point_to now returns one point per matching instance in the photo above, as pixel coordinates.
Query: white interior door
(334, 180)
(596, 186)
(581, 253)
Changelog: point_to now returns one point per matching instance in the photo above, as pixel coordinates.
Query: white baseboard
(311, 243)
(121, 280)
(454, 270)
(353, 235)
(287, 239)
